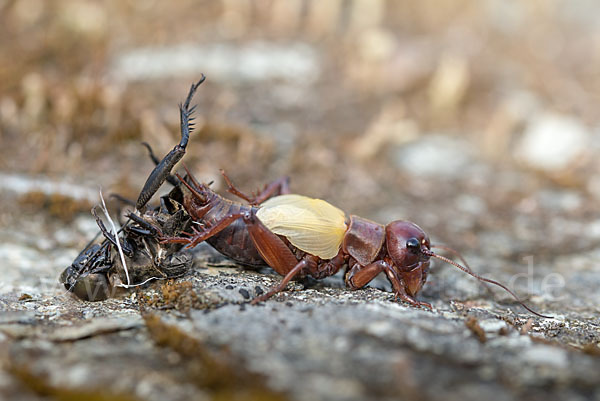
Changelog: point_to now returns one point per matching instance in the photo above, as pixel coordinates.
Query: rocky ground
(476, 120)
(317, 340)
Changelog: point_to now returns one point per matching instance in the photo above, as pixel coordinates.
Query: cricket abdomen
(234, 241)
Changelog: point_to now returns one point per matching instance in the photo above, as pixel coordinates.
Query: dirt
(475, 120)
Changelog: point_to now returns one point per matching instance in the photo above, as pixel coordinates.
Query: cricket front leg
(358, 276)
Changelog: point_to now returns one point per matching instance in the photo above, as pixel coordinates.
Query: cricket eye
(413, 245)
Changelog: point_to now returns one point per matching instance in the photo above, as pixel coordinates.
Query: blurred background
(476, 120)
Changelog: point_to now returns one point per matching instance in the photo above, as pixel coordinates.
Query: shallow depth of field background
(359, 101)
(477, 120)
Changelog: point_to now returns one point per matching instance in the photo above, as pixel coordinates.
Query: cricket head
(409, 248)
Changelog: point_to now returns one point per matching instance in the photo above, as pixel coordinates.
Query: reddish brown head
(409, 248)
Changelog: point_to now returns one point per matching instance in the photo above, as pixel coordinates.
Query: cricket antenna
(480, 278)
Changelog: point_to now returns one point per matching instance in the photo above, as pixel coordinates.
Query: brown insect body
(207, 208)
(367, 248)
(401, 249)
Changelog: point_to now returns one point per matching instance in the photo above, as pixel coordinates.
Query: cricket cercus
(295, 235)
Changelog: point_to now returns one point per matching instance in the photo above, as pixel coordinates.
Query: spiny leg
(271, 248)
(280, 186)
(274, 251)
(164, 167)
(195, 190)
(233, 190)
(277, 187)
(191, 177)
(198, 236)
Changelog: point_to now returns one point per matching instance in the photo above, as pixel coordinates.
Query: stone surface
(316, 340)
(476, 120)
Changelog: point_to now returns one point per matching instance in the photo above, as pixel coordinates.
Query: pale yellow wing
(311, 225)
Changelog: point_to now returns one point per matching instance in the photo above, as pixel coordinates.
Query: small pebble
(552, 143)
(434, 156)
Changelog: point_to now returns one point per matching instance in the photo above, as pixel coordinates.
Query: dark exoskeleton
(152, 240)
(95, 271)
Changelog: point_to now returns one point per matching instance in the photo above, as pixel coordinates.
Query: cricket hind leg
(164, 167)
(280, 186)
(296, 270)
(271, 248)
(310, 264)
